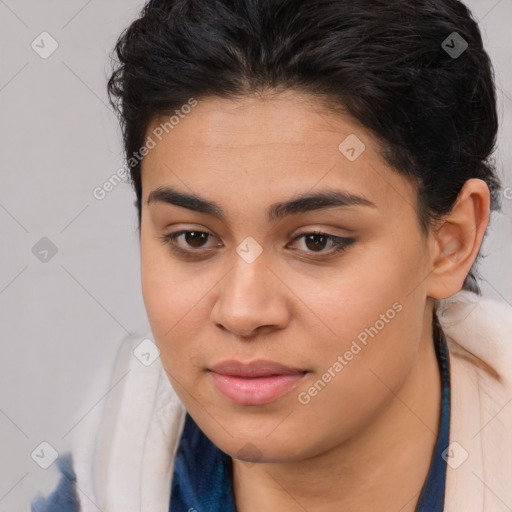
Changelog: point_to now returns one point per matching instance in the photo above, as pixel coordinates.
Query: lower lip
(257, 390)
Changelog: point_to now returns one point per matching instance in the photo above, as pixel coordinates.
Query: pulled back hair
(380, 61)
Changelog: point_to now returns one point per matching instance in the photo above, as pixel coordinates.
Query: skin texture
(366, 439)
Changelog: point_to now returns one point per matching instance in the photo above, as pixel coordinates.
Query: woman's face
(247, 283)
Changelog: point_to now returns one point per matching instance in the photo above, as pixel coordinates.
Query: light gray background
(62, 321)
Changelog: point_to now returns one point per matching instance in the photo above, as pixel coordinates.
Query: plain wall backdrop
(69, 274)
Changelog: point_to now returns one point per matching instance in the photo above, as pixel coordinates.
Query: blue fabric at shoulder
(64, 498)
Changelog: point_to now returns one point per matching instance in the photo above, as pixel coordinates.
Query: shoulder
(123, 448)
(479, 336)
(480, 331)
(64, 498)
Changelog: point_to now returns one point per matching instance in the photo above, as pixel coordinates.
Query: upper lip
(259, 368)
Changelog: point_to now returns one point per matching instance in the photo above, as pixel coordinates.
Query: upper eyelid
(181, 232)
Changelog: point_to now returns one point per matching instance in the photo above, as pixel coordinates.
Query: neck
(383, 467)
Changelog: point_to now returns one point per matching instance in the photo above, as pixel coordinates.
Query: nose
(251, 300)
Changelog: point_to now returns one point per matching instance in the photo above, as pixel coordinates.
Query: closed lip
(253, 369)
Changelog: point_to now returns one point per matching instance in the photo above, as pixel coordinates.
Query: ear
(457, 239)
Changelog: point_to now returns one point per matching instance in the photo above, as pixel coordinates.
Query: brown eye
(188, 244)
(195, 238)
(316, 242)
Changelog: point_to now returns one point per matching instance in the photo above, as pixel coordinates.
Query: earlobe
(457, 240)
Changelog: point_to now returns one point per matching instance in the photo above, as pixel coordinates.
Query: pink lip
(255, 383)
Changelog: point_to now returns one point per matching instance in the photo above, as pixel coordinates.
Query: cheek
(353, 295)
(156, 290)
(368, 317)
(163, 281)
(165, 298)
(176, 302)
(167, 305)
(360, 367)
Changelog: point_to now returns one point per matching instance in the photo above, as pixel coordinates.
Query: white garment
(124, 449)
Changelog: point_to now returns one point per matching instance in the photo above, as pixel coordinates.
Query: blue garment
(432, 494)
(202, 472)
(64, 498)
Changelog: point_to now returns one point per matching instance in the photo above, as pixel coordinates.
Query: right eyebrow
(190, 201)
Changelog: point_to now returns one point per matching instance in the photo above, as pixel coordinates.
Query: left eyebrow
(318, 201)
(299, 204)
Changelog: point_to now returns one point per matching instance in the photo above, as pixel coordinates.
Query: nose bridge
(248, 283)
(248, 297)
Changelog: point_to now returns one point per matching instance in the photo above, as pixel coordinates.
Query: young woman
(313, 186)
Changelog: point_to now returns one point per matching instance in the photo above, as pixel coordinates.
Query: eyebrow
(298, 204)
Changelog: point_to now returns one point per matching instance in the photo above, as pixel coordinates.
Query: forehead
(265, 148)
(259, 120)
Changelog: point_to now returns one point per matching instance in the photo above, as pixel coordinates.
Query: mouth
(255, 383)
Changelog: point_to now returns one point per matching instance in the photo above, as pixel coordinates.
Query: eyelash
(339, 243)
